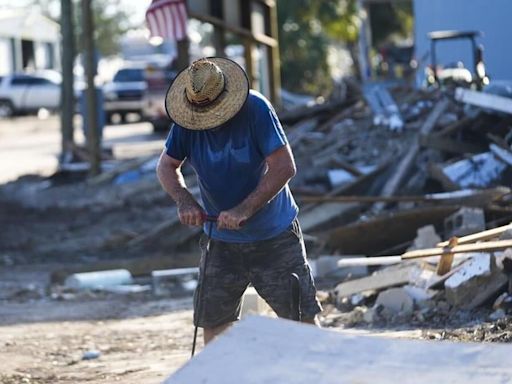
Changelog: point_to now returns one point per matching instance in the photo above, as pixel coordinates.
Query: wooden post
(67, 93)
(446, 261)
(93, 139)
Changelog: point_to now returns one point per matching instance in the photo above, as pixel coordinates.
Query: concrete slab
(261, 350)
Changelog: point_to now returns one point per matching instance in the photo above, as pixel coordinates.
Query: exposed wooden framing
(275, 60)
(480, 236)
(255, 37)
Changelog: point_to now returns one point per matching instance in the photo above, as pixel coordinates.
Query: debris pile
(381, 171)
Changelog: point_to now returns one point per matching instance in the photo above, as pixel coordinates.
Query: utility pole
(67, 93)
(93, 134)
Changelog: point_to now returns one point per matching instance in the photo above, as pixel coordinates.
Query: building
(28, 41)
(248, 28)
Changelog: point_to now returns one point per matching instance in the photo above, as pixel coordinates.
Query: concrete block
(253, 304)
(475, 282)
(465, 222)
(396, 301)
(426, 238)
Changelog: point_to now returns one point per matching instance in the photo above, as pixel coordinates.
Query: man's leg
(223, 281)
(210, 333)
(271, 267)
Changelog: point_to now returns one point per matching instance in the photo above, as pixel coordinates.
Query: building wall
(492, 17)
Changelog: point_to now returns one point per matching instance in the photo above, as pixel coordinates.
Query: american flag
(167, 19)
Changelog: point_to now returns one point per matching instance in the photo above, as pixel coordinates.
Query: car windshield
(127, 75)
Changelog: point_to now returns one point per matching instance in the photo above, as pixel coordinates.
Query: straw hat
(207, 93)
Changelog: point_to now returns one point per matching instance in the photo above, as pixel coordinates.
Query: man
(234, 141)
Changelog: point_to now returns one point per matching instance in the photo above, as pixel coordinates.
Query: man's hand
(191, 213)
(232, 219)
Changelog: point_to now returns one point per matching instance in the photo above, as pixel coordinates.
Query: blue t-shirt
(230, 160)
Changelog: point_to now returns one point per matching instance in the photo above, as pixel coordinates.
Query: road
(29, 145)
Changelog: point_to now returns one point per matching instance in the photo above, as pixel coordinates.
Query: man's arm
(169, 173)
(281, 168)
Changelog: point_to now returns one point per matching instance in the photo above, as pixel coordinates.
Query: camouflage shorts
(266, 264)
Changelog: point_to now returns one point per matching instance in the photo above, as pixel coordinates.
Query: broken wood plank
(484, 100)
(445, 264)
(407, 161)
(379, 280)
(462, 197)
(504, 155)
(385, 231)
(450, 145)
(480, 236)
(454, 127)
(436, 173)
(490, 246)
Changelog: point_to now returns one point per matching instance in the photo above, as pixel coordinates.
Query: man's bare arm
(169, 173)
(281, 168)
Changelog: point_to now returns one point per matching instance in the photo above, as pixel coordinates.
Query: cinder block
(465, 222)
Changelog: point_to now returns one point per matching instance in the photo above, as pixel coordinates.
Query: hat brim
(222, 109)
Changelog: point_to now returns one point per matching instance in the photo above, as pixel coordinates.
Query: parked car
(125, 93)
(26, 93)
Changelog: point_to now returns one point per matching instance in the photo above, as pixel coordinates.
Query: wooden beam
(490, 246)
(436, 172)
(484, 100)
(464, 197)
(480, 236)
(256, 37)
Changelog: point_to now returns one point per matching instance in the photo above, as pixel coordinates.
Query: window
(21, 80)
(129, 75)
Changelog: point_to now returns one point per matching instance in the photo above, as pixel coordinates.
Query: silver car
(27, 93)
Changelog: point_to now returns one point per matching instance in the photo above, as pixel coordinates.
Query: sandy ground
(141, 339)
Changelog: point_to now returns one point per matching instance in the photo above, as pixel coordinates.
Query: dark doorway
(27, 53)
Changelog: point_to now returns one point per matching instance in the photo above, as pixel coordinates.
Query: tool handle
(213, 219)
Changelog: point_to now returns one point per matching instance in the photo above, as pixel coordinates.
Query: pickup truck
(26, 93)
(125, 93)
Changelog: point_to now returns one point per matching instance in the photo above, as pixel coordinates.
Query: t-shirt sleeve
(267, 128)
(176, 143)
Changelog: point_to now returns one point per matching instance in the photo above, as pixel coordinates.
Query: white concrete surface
(260, 350)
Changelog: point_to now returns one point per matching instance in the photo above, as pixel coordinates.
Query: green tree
(307, 27)
(303, 48)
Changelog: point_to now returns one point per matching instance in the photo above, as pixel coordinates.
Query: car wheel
(6, 109)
